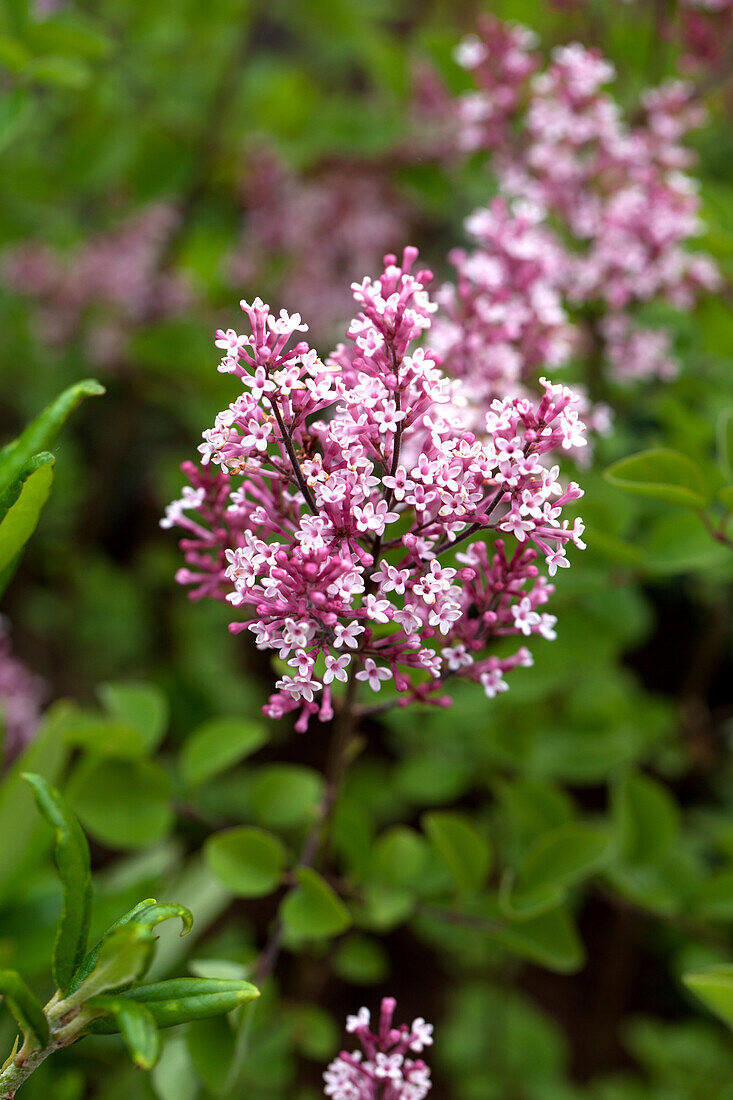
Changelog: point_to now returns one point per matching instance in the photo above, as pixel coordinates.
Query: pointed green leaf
(123, 958)
(25, 1007)
(180, 1000)
(40, 435)
(462, 847)
(71, 854)
(217, 745)
(159, 911)
(148, 912)
(136, 1025)
(312, 909)
(662, 474)
(714, 987)
(21, 518)
(249, 861)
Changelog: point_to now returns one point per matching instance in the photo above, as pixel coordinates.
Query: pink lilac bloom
(503, 317)
(703, 29)
(21, 696)
(384, 1069)
(332, 495)
(619, 192)
(113, 281)
(323, 230)
(706, 33)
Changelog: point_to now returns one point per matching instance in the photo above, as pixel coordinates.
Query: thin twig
(339, 756)
(304, 488)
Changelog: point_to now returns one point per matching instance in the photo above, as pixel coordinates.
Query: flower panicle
(385, 1067)
(331, 493)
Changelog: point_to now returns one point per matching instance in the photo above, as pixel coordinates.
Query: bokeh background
(160, 162)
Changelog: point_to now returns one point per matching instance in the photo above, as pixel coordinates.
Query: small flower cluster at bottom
(383, 1068)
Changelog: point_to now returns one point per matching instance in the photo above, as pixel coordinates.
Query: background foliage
(535, 873)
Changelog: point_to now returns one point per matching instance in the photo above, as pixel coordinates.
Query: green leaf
(17, 108)
(678, 542)
(149, 913)
(647, 819)
(144, 707)
(123, 958)
(14, 54)
(249, 861)
(25, 1007)
(312, 909)
(217, 745)
(71, 854)
(90, 959)
(58, 72)
(180, 1000)
(21, 519)
(283, 795)
(557, 860)
(40, 435)
(662, 474)
(69, 33)
(102, 736)
(550, 940)
(122, 803)
(174, 1077)
(385, 907)
(462, 847)
(47, 754)
(136, 1025)
(714, 987)
(212, 1048)
(400, 856)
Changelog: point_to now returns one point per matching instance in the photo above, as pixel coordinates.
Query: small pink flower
(374, 674)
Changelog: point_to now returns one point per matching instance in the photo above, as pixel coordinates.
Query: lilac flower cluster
(618, 191)
(341, 486)
(384, 1068)
(702, 27)
(504, 317)
(112, 281)
(323, 231)
(21, 696)
(705, 32)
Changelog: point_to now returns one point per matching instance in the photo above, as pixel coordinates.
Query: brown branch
(342, 750)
